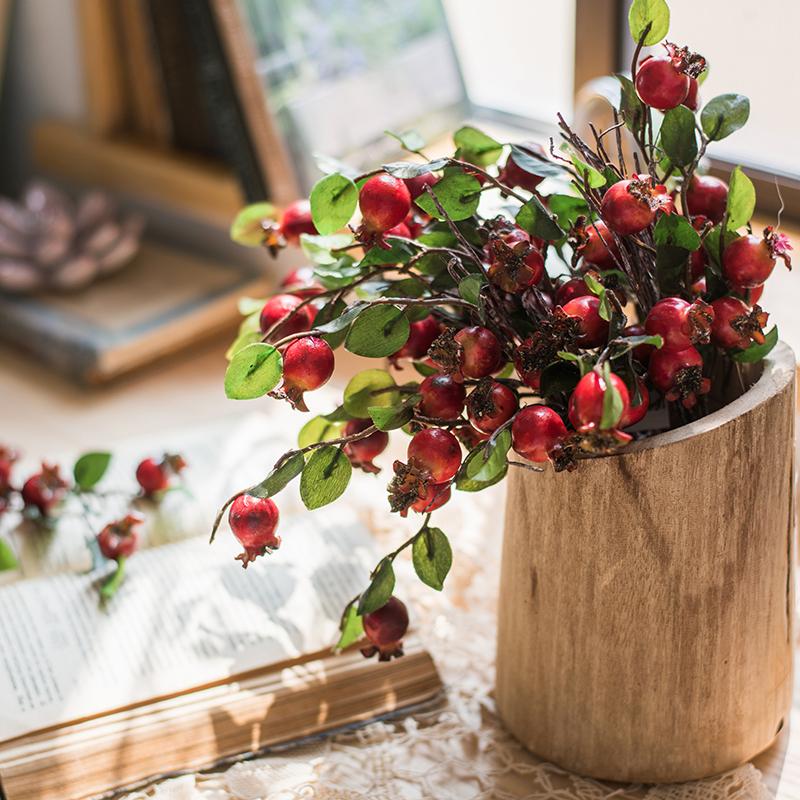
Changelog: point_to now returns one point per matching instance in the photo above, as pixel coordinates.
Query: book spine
(222, 102)
(175, 53)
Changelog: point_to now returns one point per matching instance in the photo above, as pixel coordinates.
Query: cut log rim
(778, 372)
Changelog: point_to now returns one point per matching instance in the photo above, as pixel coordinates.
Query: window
(339, 74)
(516, 58)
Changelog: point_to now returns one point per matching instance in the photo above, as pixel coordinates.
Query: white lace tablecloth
(460, 751)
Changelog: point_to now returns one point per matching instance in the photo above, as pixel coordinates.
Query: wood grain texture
(645, 624)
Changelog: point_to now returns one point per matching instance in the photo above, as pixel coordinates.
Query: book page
(187, 614)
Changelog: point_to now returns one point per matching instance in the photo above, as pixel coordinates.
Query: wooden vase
(646, 602)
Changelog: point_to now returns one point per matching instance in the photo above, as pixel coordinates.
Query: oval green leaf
(8, 559)
(247, 228)
(476, 146)
(319, 429)
(724, 115)
(333, 203)
(432, 557)
(253, 371)
(325, 477)
(741, 200)
(458, 193)
(654, 13)
(368, 389)
(534, 218)
(379, 590)
(408, 169)
(470, 288)
(90, 468)
(278, 479)
(486, 465)
(378, 331)
(351, 627)
(678, 136)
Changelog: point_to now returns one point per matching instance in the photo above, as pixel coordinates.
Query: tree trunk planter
(645, 629)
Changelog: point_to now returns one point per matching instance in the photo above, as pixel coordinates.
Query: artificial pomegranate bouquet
(543, 320)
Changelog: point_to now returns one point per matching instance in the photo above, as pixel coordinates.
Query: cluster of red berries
(43, 494)
(555, 361)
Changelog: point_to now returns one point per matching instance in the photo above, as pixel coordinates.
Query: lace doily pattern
(459, 751)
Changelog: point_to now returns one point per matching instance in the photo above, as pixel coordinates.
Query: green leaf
(431, 263)
(632, 108)
(398, 253)
(366, 390)
(612, 402)
(253, 371)
(424, 369)
(409, 169)
(248, 306)
(278, 479)
(558, 377)
(389, 418)
(339, 414)
(242, 340)
(606, 310)
(741, 200)
(627, 343)
(319, 429)
(90, 468)
(380, 589)
(477, 147)
(724, 115)
(670, 268)
(676, 230)
(338, 274)
(8, 559)
(410, 140)
(678, 136)
(331, 311)
(351, 627)
(318, 248)
(757, 351)
(432, 557)
(247, 227)
(654, 13)
(438, 238)
(567, 209)
(529, 161)
(715, 241)
(470, 288)
(325, 477)
(343, 320)
(534, 218)
(333, 203)
(596, 179)
(485, 465)
(327, 164)
(378, 331)
(458, 193)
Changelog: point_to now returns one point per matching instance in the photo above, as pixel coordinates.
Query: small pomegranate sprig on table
(649, 301)
(47, 495)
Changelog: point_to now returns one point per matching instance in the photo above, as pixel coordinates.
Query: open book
(194, 660)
